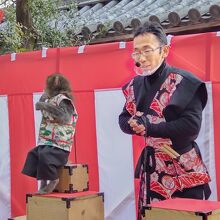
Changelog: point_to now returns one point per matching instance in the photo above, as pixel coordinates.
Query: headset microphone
(137, 64)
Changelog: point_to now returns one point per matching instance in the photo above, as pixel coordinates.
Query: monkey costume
(55, 140)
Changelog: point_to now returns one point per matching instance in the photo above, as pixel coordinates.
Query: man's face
(148, 51)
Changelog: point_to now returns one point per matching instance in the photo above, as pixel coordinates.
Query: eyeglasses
(145, 53)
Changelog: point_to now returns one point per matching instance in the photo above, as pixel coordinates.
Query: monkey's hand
(44, 97)
(60, 113)
(39, 106)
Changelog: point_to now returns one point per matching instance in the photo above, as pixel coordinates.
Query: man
(164, 104)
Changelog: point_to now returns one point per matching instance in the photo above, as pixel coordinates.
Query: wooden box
(73, 178)
(18, 218)
(183, 209)
(64, 206)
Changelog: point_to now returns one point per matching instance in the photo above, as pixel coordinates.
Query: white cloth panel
(5, 170)
(115, 157)
(37, 119)
(205, 141)
(37, 115)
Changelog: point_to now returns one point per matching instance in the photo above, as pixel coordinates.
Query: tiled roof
(118, 19)
(104, 20)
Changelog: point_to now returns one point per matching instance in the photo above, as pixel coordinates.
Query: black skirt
(43, 161)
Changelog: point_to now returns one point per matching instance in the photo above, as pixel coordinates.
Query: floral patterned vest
(54, 134)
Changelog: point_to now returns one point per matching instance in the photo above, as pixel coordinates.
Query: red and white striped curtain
(96, 72)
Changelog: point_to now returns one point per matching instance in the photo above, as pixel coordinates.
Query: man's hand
(136, 127)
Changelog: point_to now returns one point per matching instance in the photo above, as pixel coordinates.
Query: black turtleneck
(148, 82)
(152, 78)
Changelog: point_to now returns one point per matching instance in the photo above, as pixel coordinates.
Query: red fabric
(215, 78)
(86, 146)
(216, 117)
(188, 52)
(214, 58)
(1, 15)
(192, 205)
(22, 139)
(27, 74)
(101, 66)
(69, 195)
(138, 145)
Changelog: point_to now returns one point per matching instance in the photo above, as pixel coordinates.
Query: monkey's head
(58, 84)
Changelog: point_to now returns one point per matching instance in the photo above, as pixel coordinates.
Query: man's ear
(165, 50)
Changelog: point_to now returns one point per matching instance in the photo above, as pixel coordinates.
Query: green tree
(33, 24)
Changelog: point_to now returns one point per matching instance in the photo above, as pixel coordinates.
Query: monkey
(56, 84)
(56, 133)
